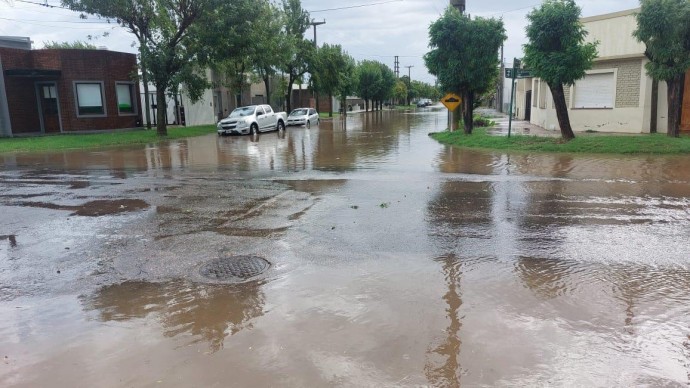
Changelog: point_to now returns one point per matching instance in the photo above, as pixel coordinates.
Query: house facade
(67, 90)
(614, 96)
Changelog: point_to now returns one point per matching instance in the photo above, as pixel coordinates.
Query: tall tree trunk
(675, 104)
(366, 105)
(343, 106)
(330, 105)
(468, 112)
(161, 111)
(655, 106)
(267, 84)
(562, 111)
(288, 94)
(147, 102)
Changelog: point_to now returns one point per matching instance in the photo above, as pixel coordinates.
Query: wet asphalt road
(395, 261)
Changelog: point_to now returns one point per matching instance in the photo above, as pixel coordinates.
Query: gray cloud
(377, 32)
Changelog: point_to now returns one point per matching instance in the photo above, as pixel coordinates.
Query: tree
(369, 78)
(400, 90)
(557, 52)
(664, 27)
(77, 44)
(385, 87)
(266, 43)
(348, 81)
(330, 69)
(298, 51)
(463, 57)
(168, 33)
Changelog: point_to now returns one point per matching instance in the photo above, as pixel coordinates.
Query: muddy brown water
(395, 261)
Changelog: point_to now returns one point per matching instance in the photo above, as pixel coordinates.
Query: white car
(303, 116)
(252, 120)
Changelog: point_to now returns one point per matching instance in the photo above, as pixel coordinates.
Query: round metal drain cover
(234, 268)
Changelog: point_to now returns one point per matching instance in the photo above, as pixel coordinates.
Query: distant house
(615, 95)
(66, 90)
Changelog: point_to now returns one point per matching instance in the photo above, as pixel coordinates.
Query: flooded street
(392, 261)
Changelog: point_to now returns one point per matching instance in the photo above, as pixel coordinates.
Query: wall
(614, 33)
(103, 66)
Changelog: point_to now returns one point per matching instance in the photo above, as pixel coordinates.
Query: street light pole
(409, 83)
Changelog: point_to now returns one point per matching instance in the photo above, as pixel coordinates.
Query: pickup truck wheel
(308, 125)
(281, 126)
(254, 129)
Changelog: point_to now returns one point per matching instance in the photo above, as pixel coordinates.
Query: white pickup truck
(252, 119)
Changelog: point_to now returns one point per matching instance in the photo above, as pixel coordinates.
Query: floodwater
(395, 261)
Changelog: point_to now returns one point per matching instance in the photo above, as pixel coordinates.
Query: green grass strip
(97, 140)
(583, 143)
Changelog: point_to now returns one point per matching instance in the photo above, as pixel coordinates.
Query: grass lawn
(583, 143)
(96, 140)
(324, 115)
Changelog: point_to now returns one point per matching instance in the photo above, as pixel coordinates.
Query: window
(89, 98)
(595, 91)
(125, 100)
(49, 91)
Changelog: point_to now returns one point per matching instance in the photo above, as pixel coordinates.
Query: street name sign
(521, 73)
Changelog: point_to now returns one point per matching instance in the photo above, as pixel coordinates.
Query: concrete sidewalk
(518, 127)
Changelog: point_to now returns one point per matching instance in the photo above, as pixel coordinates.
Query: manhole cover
(234, 268)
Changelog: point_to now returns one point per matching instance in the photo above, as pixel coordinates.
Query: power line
(44, 4)
(47, 25)
(355, 6)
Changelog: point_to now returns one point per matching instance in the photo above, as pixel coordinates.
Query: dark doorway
(528, 105)
(48, 107)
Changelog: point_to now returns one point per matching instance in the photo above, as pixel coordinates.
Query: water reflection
(208, 313)
(442, 367)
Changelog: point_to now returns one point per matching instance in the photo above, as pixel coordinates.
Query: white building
(615, 95)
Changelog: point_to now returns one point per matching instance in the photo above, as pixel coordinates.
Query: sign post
(513, 75)
(451, 101)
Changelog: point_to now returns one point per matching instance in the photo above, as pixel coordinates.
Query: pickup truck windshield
(242, 112)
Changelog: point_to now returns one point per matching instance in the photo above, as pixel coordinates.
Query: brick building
(67, 90)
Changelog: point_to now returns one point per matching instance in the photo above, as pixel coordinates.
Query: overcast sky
(368, 29)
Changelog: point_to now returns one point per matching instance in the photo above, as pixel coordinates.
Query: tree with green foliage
(384, 91)
(664, 27)
(369, 78)
(77, 44)
(400, 91)
(266, 42)
(298, 50)
(168, 32)
(329, 64)
(348, 82)
(464, 57)
(557, 52)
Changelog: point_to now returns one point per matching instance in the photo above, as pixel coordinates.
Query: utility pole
(396, 67)
(459, 5)
(409, 83)
(315, 23)
(314, 94)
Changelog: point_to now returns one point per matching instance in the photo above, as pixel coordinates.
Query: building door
(48, 107)
(685, 114)
(528, 105)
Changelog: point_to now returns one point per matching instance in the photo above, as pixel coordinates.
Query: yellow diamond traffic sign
(451, 101)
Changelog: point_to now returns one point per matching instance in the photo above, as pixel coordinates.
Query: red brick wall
(75, 65)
